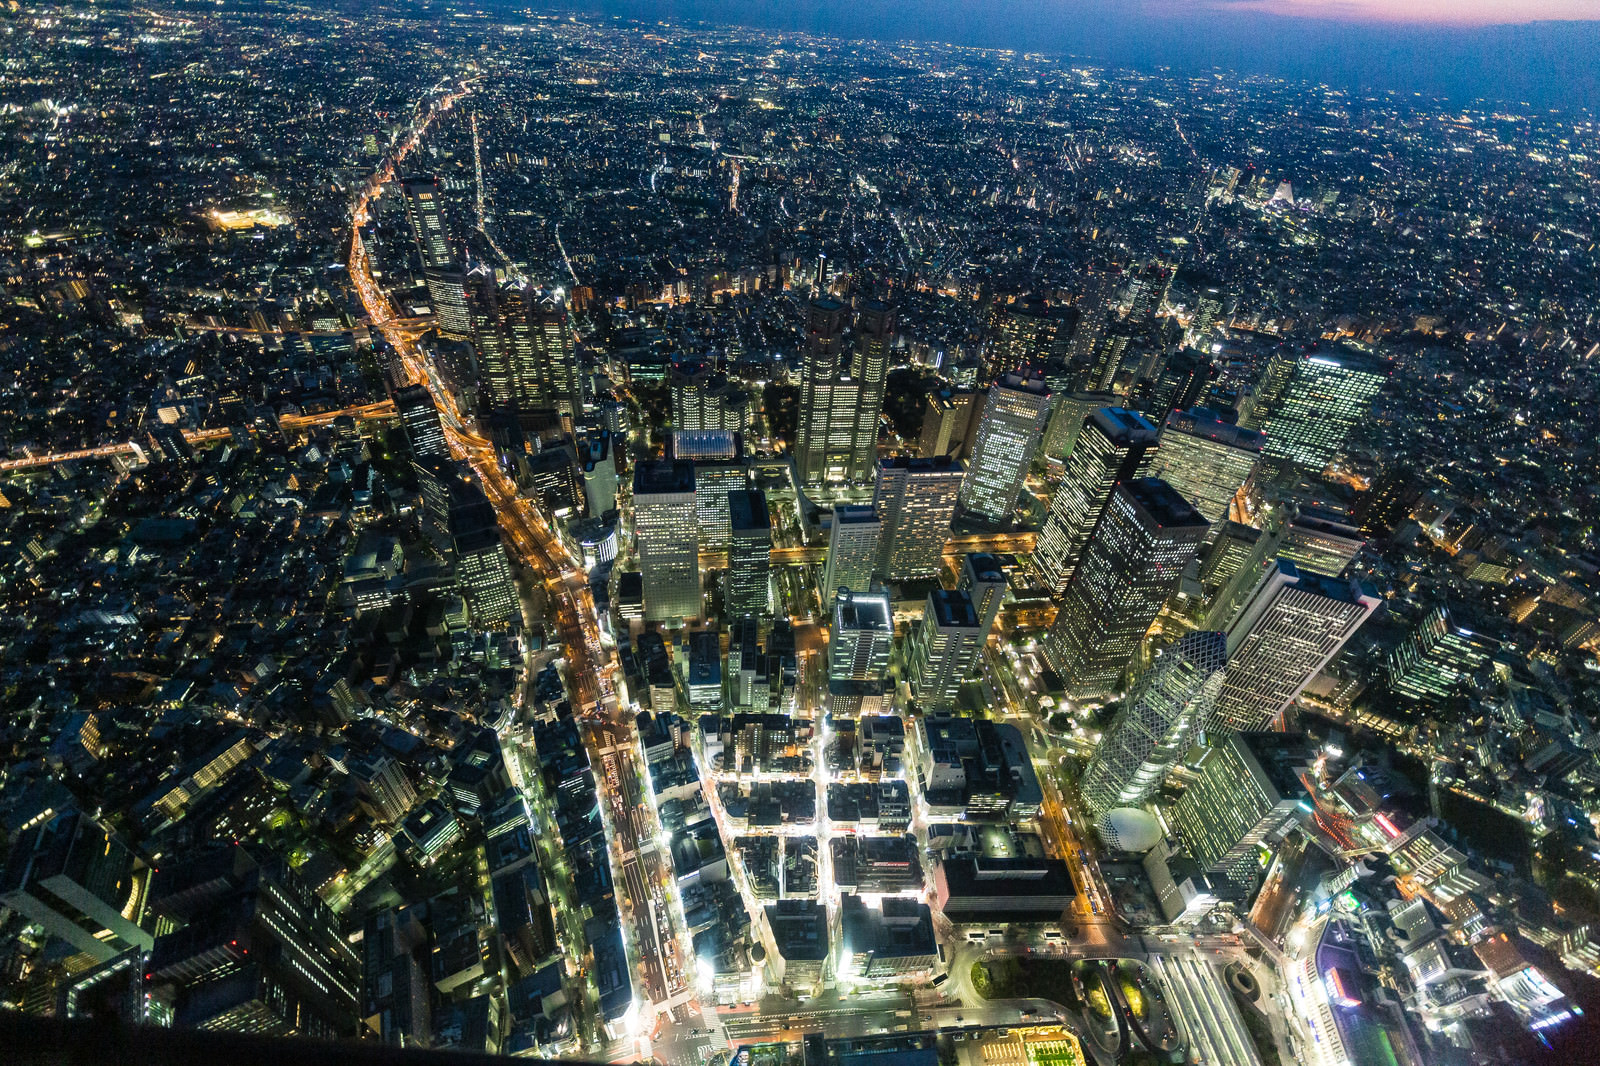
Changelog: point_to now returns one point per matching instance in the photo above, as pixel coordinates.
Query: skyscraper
(1143, 541)
(543, 367)
(442, 271)
(870, 367)
(827, 398)
(840, 400)
(1011, 425)
(945, 423)
(424, 200)
(945, 648)
(386, 792)
(1029, 331)
(71, 876)
(1068, 417)
(1157, 724)
(255, 950)
(983, 577)
(719, 468)
(1205, 459)
(667, 539)
(420, 419)
(483, 571)
(597, 463)
(1289, 627)
(1249, 791)
(1437, 656)
(1319, 540)
(1113, 444)
(916, 500)
(1233, 550)
(1176, 386)
(853, 544)
(704, 399)
(749, 554)
(861, 638)
(1310, 401)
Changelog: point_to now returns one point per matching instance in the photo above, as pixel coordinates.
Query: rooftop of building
(1204, 422)
(662, 476)
(952, 609)
(1163, 504)
(862, 610)
(747, 510)
(1122, 426)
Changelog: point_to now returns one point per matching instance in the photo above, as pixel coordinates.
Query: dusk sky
(1542, 52)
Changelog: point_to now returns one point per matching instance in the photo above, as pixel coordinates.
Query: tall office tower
(489, 342)
(1147, 291)
(1178, 386)
(1011, 425)
(597, 462)
(1163, 713)
(1145, 538)
(1207, 313)
(1100, 372)
(945, 423)
(916, 500)
(1094, 318)
(1248, 794)
(719, 468)
(983, 577)
(749, 554)
(424, 200)
(1322, 396)
(945, 648)
(420, 419)
(1289, 627)
(71, 876)
(483, 572)
(1232, 551)
(441, 264)
(1205, 459)
(667, 538)
(1067, 420)
(829, 399)
(853, 546)
(1437, 657)
(869, 367)
(543, 366)
(861, 638)
(704, 399)
(1030, 333)
(1111, 448)
(1320, 541)
(255, 951)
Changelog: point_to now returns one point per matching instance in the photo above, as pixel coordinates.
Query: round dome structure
(1128, 829)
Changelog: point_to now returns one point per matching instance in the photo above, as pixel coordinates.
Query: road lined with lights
(592, 666)
(361, 413)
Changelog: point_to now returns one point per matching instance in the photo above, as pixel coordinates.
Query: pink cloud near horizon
(1423, 12)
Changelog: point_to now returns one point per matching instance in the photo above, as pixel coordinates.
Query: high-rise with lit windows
(667, 539)
(1310, 401)
(1009, 430)
(1146, 537)
(1205, 459)
(1157, 723)
(916, 500)
(1288, 628)
(944, 648)
(1113, 444)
